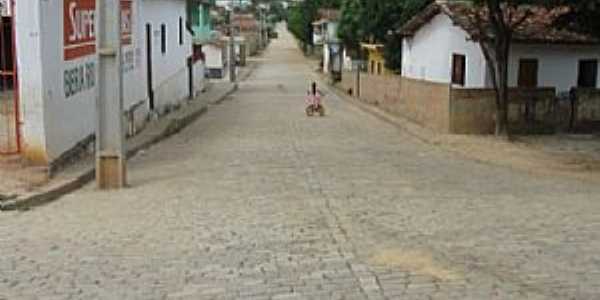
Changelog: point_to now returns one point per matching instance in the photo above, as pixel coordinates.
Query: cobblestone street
(257, 201)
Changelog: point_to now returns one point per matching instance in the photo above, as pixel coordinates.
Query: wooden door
(528, 73)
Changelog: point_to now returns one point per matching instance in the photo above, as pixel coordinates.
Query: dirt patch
(418, 262)
(542, 155)
(574, 156)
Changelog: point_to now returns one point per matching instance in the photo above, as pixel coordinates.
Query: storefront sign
(80, 27)
(80, 42)
(126, 22)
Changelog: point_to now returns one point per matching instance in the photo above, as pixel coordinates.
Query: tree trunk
(502, 55)
(502, 98)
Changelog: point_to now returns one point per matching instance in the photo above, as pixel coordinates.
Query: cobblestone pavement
(256, 201)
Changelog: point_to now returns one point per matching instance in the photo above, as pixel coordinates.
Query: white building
(57, 68)
(440, 46)
(216, 58)
(325, 35)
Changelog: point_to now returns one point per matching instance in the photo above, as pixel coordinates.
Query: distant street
(257, 201)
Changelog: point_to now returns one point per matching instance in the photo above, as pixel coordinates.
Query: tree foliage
(302, 15)
(277, 12)
(372, 21)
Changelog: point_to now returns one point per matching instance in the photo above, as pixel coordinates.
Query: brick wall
(465, 111)
(347, 82)
(473, 111)
(372, 88)
(426, 103)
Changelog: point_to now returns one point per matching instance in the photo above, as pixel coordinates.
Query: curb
(173, 127)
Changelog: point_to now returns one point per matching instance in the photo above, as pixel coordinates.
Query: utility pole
(110, 134)
(232, 74)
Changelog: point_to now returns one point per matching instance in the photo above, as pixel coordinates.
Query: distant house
(249, 28)
(375, 59)
(440, 45)
(216, 58)
(325, 37)
(201, 27)
(199, 19)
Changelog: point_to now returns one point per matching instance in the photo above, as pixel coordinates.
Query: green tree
(302, 15)
(496, 21)
(373, 20)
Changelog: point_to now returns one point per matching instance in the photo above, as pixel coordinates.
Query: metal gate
(9, 96)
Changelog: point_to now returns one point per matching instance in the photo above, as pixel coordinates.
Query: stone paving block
(257, 201)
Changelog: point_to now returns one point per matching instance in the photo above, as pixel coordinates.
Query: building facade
(439, 46)
(55, 43)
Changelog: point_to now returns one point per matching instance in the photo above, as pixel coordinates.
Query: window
(372, 67)
(163, 38)
(379, 68)
(588, 73)
(458, 69)
(528, 73)
(180, 31)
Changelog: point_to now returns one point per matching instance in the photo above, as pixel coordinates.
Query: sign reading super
(80, 42)
(80, 27)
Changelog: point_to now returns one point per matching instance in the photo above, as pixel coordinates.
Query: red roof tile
(538, 27)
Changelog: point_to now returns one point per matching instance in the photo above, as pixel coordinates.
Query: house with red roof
(441, 44)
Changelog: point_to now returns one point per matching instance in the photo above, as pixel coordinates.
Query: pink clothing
(313, 99)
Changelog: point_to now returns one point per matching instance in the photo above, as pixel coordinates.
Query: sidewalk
(23, 187)
(574, 156)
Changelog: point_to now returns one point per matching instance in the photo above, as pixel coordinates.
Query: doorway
(528, 73)
(149, 65)
(9, 96)
(588, 73)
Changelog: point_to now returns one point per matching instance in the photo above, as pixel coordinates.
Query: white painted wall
(326, 58)
(558, 65)
(28, 45)
(215, 56)
(428, 54)
(199, 80)
(67, 119)
(170, 73)
(55, 120)
(332, 29)
(348, 65)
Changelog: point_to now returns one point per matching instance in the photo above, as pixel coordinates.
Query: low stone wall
(251, 39)
(347, 82)
(586, 116)
(372, 88)
(424, 102)
(469, 111)
(473, 111)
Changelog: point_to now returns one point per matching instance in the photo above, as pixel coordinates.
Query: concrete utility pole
(110, 134)
(232, 74)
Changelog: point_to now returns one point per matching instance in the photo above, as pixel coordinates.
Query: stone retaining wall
(424, 102)
(447, 109)
(473, 111)
(586, 116)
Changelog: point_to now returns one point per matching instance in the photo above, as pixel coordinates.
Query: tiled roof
(540, 25)
(246, 22)
(329, 14)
